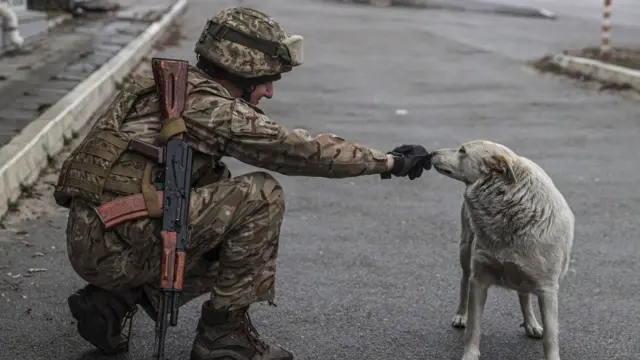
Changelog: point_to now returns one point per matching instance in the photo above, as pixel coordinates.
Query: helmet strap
(247, 91)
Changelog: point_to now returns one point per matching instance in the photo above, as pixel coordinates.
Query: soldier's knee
(268, 187)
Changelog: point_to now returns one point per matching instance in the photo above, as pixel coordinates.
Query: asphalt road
(369, 268)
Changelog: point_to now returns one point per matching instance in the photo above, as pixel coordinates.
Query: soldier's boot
(102, 315)
(229, 335)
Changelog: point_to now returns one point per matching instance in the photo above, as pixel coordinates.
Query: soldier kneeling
(235, 220)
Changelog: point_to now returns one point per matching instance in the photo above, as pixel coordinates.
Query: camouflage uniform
(243, 214)
(236, 220)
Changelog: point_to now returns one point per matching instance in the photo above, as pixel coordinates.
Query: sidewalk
(620, 72)
(50, 92)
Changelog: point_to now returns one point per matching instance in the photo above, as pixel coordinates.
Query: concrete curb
(525, 12)
(29, 152)
(478, 6)
(58, 20)
(598, 70)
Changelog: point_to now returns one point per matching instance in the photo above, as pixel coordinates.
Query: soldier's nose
(269, 89)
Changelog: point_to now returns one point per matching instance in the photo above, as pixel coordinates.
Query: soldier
(236, 220)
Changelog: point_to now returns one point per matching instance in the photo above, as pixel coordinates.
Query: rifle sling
(170, 127)
(148, 193)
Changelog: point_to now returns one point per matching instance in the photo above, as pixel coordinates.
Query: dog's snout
(436, 156)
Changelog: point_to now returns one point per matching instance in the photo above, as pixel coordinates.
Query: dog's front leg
(548, 301)
(531, 325)
(477, 300)
(466, 242)
(460, 319)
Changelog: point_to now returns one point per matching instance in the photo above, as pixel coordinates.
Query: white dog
(517, 233)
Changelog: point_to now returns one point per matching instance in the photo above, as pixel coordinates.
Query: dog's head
(475, 160)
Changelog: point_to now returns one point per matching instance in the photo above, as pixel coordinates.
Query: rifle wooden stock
(171, 81)
(127, 208)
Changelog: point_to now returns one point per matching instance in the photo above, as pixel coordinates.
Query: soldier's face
(262, 90)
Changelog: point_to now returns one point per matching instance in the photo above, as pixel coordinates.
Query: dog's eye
(462, 151)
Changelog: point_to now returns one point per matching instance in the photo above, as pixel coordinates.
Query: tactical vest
(102, 167)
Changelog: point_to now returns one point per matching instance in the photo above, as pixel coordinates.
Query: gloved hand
(409, 160)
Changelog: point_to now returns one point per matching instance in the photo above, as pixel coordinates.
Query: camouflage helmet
(249, 44)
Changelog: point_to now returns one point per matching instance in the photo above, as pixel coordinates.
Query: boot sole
(93, 328)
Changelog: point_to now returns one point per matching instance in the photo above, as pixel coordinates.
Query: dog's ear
(501, 163)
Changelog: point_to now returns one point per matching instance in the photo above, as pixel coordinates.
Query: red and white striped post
(605, 45)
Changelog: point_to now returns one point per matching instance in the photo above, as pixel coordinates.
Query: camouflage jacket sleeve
(249, 136)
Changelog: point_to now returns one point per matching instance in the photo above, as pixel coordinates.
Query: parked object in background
(26, 21)
(10, 26)
(73, 6)
(605, 45)
(50, 5)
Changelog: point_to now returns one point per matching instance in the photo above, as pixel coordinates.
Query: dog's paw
(459, 321)
(533, 330)
(471, 355)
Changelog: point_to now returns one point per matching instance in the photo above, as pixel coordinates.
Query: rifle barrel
(175, 306)
(161, 326)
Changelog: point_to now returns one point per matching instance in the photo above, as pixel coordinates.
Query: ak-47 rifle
(171, 81)
(170, 199)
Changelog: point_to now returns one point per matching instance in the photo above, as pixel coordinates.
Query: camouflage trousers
(232, 253)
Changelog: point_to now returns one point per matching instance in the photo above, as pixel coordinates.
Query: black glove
(409, 160)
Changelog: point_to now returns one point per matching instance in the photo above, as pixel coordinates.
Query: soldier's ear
(502, 164)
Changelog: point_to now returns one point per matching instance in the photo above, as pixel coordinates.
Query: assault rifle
(171, 81)
(175, 236)
(176, 232)
(170, 197)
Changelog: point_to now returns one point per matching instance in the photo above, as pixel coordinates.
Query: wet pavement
(368, 269)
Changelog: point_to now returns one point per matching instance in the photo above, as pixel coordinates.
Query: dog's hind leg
(466, 241)
(477, 300)
(530, 324)
(548, 301)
